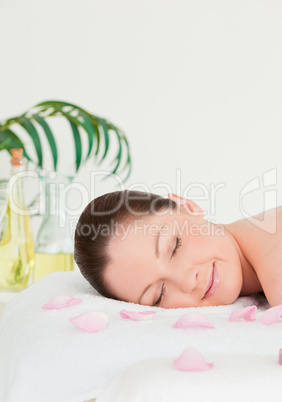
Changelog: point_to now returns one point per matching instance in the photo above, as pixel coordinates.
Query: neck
(251, 283)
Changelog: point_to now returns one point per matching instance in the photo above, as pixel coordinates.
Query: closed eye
(161, 295)
(177, 245)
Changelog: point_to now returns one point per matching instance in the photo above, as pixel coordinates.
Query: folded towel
(44, 357)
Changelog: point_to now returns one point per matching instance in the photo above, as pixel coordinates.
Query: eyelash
(161, 296)
(178, 244)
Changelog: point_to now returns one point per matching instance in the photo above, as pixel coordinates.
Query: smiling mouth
(213, 282)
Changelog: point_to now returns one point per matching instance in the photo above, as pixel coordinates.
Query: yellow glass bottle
(54, 244)
(16, 239)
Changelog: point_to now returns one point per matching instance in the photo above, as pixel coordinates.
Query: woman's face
(177, 254)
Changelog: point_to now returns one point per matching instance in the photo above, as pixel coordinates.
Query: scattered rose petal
(247, 313)
(94, 321)
(191, 360)
(61, 301)
(271, 315)
(193, 320)
(137, 316)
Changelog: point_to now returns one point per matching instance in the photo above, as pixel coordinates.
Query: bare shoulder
(260, 239)
(270, 216)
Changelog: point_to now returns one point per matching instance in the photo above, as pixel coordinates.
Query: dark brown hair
(92, 237)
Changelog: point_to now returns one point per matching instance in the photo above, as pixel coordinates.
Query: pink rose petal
(193, 320)
(137, 316)
(271, 315)
(247, 313)
(94, 321)
(61, 301)
(191, 360)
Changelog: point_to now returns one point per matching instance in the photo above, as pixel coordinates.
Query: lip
(213, 282)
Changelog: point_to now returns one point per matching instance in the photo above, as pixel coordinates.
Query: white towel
(44, 357)
(244, 378)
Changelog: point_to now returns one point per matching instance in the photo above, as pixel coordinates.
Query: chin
(228, 298)
(233, 297)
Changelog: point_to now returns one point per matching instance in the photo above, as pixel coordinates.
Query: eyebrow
(157, 250)
(157, 253)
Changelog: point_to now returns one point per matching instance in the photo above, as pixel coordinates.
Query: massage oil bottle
(54, 244)
(16, 240)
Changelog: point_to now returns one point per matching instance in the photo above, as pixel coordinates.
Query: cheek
(199, 249)
(230, 271)
(202, 248)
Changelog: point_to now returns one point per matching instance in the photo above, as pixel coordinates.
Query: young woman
(146, 249)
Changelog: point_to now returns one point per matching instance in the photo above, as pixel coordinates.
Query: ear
(189, 205)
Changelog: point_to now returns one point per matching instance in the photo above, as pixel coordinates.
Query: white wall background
(195, 85)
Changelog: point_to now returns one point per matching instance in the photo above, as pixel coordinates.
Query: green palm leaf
(77, 123)
(57, 103)
(77, 143)
(128, 161)
(50, 138)
(119, 154)
(31, 130)
(97, 134)
(90, 131)
(106, 137)
(9, 140)
(81, 122)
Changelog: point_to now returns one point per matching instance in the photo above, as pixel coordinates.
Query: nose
(186, 280)
(189, 281)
